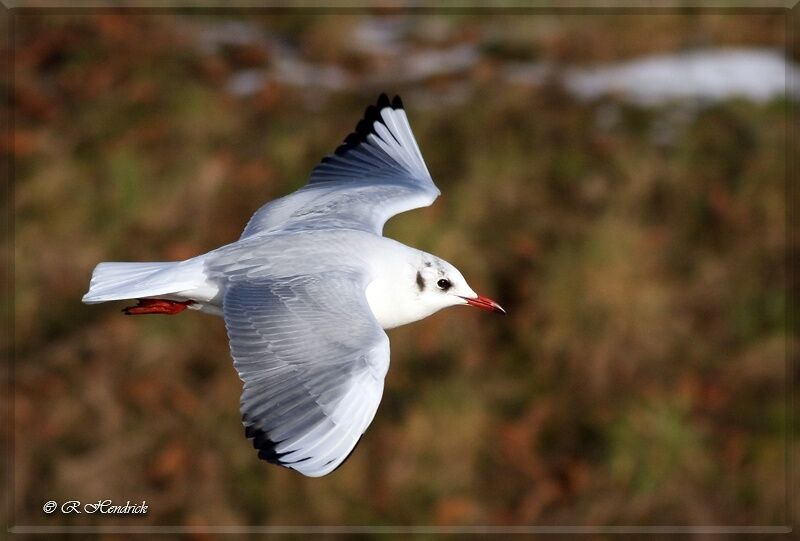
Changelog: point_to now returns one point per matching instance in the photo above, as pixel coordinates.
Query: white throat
(393, 304)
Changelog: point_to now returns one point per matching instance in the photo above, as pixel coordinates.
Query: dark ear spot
(420, 281)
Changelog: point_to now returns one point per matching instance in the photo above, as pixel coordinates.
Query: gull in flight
(307, 291)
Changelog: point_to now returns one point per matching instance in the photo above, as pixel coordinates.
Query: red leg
(157, 306)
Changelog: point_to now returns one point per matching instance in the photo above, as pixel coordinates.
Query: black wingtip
(267, 448)
(365, 126)
(264, 445)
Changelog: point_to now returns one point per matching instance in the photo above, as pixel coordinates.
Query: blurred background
(616, 180)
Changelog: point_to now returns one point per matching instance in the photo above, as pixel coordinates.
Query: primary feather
(376, 173)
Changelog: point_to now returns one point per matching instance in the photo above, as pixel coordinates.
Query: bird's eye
(444, 283)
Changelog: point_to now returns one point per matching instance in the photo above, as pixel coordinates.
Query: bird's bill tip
(484, 303)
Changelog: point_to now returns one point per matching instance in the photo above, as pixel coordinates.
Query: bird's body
(307, 291)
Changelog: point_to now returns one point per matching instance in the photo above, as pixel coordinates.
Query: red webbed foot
(157, 306)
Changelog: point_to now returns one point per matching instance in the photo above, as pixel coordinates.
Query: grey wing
(377, 172)
(312, 359)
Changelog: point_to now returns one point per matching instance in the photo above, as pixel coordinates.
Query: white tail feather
(118, 281)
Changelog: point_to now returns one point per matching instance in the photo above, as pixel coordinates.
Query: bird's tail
(117, 281)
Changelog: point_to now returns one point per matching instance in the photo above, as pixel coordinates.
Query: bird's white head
(423, 286)
(439, 285)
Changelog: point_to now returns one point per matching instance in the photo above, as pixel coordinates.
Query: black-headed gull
(308, 290)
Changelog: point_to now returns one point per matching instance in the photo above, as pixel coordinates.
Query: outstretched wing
(377, 172)
(312, 358)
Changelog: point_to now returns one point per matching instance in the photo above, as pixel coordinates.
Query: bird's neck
(392, 296)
